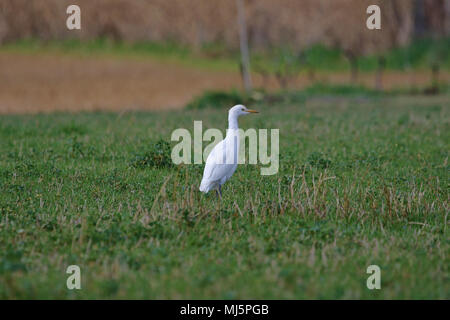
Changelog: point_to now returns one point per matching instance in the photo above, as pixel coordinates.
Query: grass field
(420, 54)
(363, 180)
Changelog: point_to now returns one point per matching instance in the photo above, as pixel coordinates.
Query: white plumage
(223, 159)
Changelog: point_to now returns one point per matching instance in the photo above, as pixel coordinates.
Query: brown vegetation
(49, 82)
(56, 82)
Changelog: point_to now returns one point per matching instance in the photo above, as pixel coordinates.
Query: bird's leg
(219, 192)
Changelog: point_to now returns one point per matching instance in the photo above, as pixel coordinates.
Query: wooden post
(243, 44)
(379, 74)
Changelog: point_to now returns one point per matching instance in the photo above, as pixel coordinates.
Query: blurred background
(157, 54)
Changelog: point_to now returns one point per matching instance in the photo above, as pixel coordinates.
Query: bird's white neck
(232, 122)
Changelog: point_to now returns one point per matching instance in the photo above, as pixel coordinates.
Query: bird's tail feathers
(205, 186)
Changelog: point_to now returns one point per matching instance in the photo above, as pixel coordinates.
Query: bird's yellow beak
(252, 111)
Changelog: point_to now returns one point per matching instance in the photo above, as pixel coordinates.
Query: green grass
(164, 51)
(363, 180)
(222, 99)
(420, 54)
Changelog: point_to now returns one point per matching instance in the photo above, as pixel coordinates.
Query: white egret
(223, 159)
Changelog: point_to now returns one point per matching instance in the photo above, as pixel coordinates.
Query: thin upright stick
(243, 43)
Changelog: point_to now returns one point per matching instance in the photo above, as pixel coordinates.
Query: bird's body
(223, 159)
(218, 170)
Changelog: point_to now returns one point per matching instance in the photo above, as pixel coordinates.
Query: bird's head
(240, 110)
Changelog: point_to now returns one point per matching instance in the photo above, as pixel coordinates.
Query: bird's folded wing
(216, 168)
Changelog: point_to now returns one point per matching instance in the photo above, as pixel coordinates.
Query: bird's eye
(242, 109)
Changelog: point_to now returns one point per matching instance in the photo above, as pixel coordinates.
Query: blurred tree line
(200, 22)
